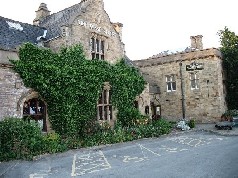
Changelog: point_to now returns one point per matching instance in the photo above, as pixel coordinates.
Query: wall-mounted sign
(195, 66)
(96, 28)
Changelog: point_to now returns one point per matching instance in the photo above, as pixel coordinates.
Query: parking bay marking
(89, 163)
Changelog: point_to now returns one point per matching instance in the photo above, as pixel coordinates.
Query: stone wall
(83, 26)
(11, 90)
(205, 104)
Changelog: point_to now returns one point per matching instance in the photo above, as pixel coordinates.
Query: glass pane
(92, 44)
(97, 45)
(169, 86)
(100, 101)
(110, 97)
(147, 109)
(167, 78)
(110, 112)
(174, 85)
(197, 84)
(100, 114)
(196, 76)
(105, 97)
(40, 108)
(33, 105)
(192, 76)
(93, 55)
(136, 105)
(172, 78)
(106, 109)
(26, 109)
(193, 85)
(102, 47)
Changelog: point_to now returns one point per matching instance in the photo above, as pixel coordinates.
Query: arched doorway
(34, 109)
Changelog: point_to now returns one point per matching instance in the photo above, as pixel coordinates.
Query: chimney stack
(118, 27)
(41, 13)
(196, 42)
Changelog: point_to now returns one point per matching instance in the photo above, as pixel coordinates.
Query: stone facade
(87, 20)
(86, 23)
(187, 84)
(204, 97)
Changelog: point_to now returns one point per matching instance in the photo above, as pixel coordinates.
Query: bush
(191, 123)
(19, 139)
(22, 140)
(52, 143)
(228, 115)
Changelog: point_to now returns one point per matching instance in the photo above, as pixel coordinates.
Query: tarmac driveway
(191, 154)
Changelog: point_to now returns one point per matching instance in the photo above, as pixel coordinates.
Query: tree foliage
(71, 85)
(229, 49)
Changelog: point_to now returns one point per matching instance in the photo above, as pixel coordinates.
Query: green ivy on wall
(229, 49)
(71, 86)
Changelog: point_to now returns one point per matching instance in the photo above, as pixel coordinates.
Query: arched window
(35, 110)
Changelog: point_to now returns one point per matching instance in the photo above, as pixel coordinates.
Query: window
(147, 109)
(194, 81)
(104, 107)
(171, 83)
(97, 48)
(34, 110)
(136, 104)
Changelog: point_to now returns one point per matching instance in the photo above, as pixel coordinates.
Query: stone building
(181, 85)
(86, 22)
(190, 83)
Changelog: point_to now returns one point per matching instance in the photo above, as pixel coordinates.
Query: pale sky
(150, 26)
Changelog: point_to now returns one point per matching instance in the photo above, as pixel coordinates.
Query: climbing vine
(71, 86)
(229, 49)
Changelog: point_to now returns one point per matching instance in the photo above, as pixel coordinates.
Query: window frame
(170, 83)
(34, 109)
(104, 106)
(97, 48)
(195, 80)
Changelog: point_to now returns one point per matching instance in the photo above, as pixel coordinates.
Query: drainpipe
(182, 89)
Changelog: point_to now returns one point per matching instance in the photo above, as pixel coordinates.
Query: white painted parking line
(194, 142)
(89, 163)
(144, 148)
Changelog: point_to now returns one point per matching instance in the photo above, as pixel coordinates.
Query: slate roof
(54, 21)
(14, 33)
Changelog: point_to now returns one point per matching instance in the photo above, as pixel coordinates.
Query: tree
(229, 49)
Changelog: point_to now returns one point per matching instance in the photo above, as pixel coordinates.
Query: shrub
(52, 143)
(164, 127)
(19, 139)
(229, 114)
(191, 123)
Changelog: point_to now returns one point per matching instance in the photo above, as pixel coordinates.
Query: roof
(177, 57)
(54, 22)
(14, 33)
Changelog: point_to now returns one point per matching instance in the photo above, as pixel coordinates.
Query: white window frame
(195, 80)
(170, 80)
